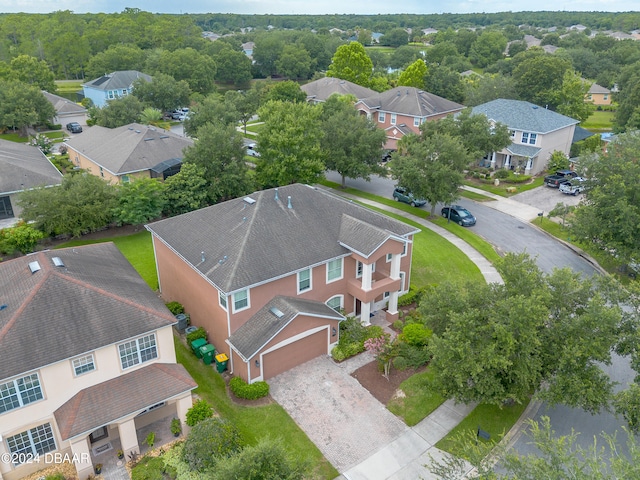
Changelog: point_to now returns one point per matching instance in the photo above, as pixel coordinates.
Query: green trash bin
(196, 344)
(221, 362)
(207, 352)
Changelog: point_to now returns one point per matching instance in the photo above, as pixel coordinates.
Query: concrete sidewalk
(511, 207)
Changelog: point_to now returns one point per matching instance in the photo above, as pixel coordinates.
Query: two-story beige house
(598, 95)
(269, 275)
(87, 359)
(120, 155)
(536, 133)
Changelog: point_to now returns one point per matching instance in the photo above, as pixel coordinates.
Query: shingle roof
(63, 105)
(266, 324)
(320, 90)
(130, 148)
(524, 116)
(95, 299)
(595, 88)
(23, 167)
(116, 80)
(580, 134)
(246, 244)
(411, 101)
(108, 401)
(360, 236)
(523, 150)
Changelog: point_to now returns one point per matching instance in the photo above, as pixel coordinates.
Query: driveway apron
(340, 416)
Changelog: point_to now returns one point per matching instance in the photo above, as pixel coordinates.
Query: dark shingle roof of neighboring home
(237, 245)
(523, 150)
(58, 312)
(411, 101)
(267, 322)
(320, 90)
(524, 116)
(113, 399)
(595, 88)
(130, 148)
(580, 134)
(24, 166)
(64, 106)
(116, 80)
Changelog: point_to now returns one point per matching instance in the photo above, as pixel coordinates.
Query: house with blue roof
(112, 85)
(536, 133)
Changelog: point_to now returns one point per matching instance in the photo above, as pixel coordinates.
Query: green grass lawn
(258, 422)
(14, 137)
(502, 188)
(599, 120)
(419, 400)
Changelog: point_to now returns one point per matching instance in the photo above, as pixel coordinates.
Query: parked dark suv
(400, 194)
(74, 127)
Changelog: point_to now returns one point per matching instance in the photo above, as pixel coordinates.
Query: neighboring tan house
(401, 110)
(598, 95)
(320, 90)
(536, 133)
(267, 275)
(112, 85)
(66, 110)
(22, 167)
(87, 359)
(122, 154)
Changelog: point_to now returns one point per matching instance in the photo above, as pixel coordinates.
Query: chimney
(289, 202)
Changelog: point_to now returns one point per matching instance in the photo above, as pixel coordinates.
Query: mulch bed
(382, 389)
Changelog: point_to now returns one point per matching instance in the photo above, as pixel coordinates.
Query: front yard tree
(210, 441)
(351, 62)
(609, 216)
(219, 150)
(352, 143)
(245, 103)
(117, 112)
(545, 333)
(213, 110)
(83, 203)
(23, 106)
(163, 92)
(290, 144)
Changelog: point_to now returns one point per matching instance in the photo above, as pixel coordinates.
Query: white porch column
(507, 162)
(182, 405)
(392, 306)
(367, 271)
(128, 437)
(529, 166)
(493, 160)
(365, 314)
(81, 450)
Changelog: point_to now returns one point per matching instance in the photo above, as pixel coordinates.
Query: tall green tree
(196, 68)
(219, 150)
(294, 62)
(117, 112)
(214, 109)
(287, 91)
(163, 92)
(232, 66)
(539, 77)
(117, 57)
(445, 82)
(488, 48)
(23, 106)
(395, 38)
(351, 62)
(186, 190)
(290, 144)
(627, 117)
(351, 142)
(140, 201)
(414, 75)
(31, 71)
(569, 100)
(246, 103)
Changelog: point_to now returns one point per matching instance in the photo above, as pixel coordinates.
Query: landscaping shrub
(352, 337)
(242, 389)
(196, 334)
(149, 468)
(398, 325)
(513, 178)
(211, 440)
(501, 174)
(55, 476)
(416, 334)
(201, 410)
(175, 307)
(412, 296)
(410, 356)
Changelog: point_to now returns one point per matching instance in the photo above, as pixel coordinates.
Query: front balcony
(378, 287)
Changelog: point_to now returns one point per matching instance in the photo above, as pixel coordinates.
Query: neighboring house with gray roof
(112, 85)
(87, 358)
(66, 110)
(122, 154)
(402, 110)
(22, 167)
(266, 275)
(320, 90)
(598, 95)
(536, 133)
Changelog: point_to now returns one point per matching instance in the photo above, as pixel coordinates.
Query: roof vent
(137, 131)
(202, 257)
(3, 306)
(34, 266)
(249, 200)
(276, 312)
(289, 202)
(222, 260)
(276, 198)
(149, 138)
(57, 261)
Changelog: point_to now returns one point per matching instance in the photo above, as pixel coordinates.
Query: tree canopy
(351, 63)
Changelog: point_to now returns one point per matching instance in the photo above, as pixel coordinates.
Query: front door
(5, 208)
(358, 307)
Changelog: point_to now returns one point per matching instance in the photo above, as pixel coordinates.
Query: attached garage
(286, 332)
(295, 353)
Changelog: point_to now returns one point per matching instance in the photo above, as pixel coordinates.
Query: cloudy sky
(315, 7)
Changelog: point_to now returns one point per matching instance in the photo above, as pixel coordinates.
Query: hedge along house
(120, 155)
(22, 167)
(267, 275)
(87, 359)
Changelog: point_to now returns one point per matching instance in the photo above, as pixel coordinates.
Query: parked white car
(573, 186)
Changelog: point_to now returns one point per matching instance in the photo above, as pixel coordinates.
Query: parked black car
(460, 215)
(74, 127)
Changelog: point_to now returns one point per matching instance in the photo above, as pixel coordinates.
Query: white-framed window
(110, 95)
(381, 117)
(83, 364)
(334, 270)
(20, 392)
(512, 133)
(604, 97)
(138, 351)
(101, 172)
(336, 302)
(360, 267)
(304, 280)
(125, 179)
(124, 92)
(389, 257)
(35, 441)
(529, 138)
(240, 300)
(401, 282)
(222, 300)
(393, 118)
(416, 121)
